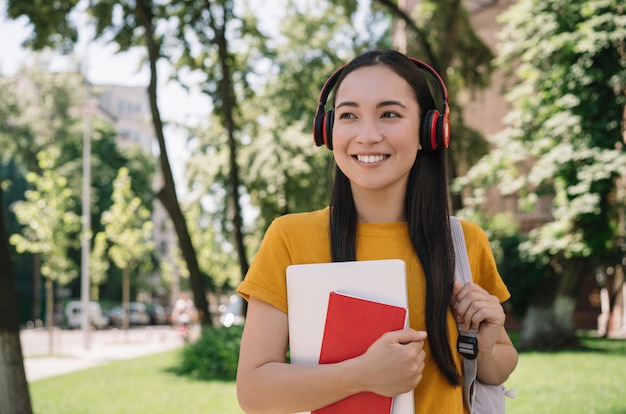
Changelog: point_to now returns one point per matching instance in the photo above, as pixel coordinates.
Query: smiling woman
(389, 201)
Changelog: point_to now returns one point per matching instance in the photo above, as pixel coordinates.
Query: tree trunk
(228, 107)
(14, 395)
(615, 320)
(36, 286)
(549, 320)
(50, 315)
(126, 302)
(167, 195)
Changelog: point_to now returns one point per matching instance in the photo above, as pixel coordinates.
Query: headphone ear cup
(329, 122)
(439, 134)
(428, 130)
(445, 127)
(318, 126)
(439, 130)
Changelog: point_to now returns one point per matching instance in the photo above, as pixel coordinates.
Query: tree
(106, 159)
(50, 227)
(36, 112)
(215, 254)
(137, 28)
(202, 30)
(40, 113)
(35, 117)
(280, 168)
(564, 141)
(315, 39)
(242, 130)
(98, 264)
(14, 395)
(128, 227)
(38, 117)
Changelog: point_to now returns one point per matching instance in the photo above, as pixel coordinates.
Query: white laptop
(308, 289)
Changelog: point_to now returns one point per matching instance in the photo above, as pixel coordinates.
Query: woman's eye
(346, 115)
(389, 115)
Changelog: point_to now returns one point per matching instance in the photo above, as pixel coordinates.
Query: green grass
(143, 385)
(589, 381)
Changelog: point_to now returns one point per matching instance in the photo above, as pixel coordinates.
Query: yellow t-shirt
(304, 238)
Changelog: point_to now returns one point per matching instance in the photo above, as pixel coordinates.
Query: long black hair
(426, 207)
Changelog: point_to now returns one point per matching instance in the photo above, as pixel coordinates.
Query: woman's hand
(394, 363)
(475, 308)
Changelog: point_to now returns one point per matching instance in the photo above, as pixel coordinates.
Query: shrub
(522, 277)
(213, 356)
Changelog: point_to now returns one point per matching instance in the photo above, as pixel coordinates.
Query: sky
(104, 66)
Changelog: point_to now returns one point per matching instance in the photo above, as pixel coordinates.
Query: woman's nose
(369, 132)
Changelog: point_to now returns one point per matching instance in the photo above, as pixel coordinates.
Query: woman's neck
(374, 207)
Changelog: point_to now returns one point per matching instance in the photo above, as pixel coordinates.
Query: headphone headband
(435, 128)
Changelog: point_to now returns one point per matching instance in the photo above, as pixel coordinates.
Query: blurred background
(146, 146)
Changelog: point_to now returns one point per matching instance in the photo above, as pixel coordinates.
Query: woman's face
(376, 129)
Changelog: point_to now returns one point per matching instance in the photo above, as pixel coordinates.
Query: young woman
(389, 202)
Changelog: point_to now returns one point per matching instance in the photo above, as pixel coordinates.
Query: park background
(537, 98)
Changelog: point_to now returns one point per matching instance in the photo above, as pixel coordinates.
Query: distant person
(389, 201)
(184, 315)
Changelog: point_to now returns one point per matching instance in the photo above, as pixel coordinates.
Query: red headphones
(434, 129)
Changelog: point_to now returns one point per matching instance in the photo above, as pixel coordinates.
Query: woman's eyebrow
(346, 103)
(378, 105)
(390, 103)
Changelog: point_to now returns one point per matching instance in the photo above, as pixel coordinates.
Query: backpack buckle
(467, 344)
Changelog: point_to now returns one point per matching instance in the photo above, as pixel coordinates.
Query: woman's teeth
(370, 158)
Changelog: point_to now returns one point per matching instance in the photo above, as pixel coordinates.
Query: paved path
(70, 352)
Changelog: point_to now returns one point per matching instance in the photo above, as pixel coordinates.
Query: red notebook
(352, 325)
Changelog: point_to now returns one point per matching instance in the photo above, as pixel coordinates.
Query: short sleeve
(265, 279)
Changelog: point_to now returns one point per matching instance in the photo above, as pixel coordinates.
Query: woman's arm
(475, 307)
(266, 384)
(494, 366)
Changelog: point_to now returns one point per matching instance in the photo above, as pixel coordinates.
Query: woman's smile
(371, 159)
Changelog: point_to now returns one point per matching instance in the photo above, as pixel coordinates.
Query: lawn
(137, 386)
(590, 381)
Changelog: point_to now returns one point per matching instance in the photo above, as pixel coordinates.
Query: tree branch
(421, 36)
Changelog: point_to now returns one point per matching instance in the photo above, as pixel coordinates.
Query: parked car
(232, 312)
(116, 316)
(138, 314)
(157, 314)
(73, 312)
